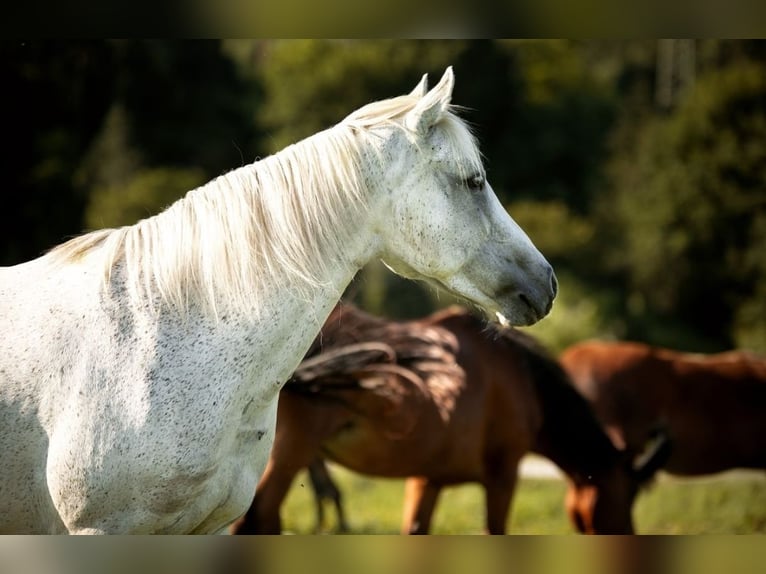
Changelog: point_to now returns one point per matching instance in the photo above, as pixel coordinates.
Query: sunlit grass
(732, 504)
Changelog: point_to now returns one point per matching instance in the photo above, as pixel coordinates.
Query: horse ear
(432, 105)
(422, 88)
(654, 458)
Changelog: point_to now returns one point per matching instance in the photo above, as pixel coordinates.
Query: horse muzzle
(525, 302)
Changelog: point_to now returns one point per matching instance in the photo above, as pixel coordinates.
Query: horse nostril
(525, 300)
(539, 312)
(554, 285)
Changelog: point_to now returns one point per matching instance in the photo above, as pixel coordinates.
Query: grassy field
(734, 503)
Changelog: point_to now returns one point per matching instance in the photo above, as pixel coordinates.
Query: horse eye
(475, 183)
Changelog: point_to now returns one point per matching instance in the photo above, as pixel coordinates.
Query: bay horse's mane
(278, 217)
(348, 324)
(422, 354)
(571, 435)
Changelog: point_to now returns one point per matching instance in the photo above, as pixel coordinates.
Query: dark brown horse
(711, 409)
(462, 401)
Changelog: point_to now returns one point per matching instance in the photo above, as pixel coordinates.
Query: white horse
(140, 367)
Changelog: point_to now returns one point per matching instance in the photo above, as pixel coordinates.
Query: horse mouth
(525, 310)
(509, 307)
(514, 307)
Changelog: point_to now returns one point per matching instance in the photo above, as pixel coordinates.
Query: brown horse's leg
(338, 501)
(342, 522)
(326, 489)
(499, 494)
(319, 503)
(420, 497)
(289, 455)
(318, 477)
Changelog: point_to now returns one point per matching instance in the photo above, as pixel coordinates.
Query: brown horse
(467, 402)
(710, 408)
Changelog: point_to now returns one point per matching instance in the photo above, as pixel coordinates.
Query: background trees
(687, 211)
(636, 166)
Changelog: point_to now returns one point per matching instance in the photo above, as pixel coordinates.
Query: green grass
(732, 504)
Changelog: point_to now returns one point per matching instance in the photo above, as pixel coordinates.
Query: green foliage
(112, 159)
(380, 291)
(578, 313)
(187, 103)
(53, 98)
(87, 114)
(749, 329)
(310, 85)
(583, 309)
(555, 229)
(147, 193)
(553, 140)
(685, 203)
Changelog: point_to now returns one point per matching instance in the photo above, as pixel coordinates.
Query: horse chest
(178, 430)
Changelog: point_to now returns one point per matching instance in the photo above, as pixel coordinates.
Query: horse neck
(293, 223)
(570, 434)
(320, 187)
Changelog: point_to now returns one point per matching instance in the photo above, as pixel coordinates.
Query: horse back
(712, 406)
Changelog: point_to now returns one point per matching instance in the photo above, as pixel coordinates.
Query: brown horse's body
(711, 407)
(487, 398)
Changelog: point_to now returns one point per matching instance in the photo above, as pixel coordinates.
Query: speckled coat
(121, 413)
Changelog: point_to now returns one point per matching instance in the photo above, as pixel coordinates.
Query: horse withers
(473, 400)
(140, 367)
(708, 410)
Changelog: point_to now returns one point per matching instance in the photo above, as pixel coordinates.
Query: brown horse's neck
(570, 434)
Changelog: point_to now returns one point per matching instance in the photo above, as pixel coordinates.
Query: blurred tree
(111, 159)
(144, 194)
(579, 313)
(187, 103)
(310, 85)
(90, 117)
(585, 307)
(181, 114)
(750, 320)
(87, 116)
(689, 206)
(540, 116)
(555, 144)
(54, 98)
(565, 237)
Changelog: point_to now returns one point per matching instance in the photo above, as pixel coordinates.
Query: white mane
(461, 141)
(278, 217)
